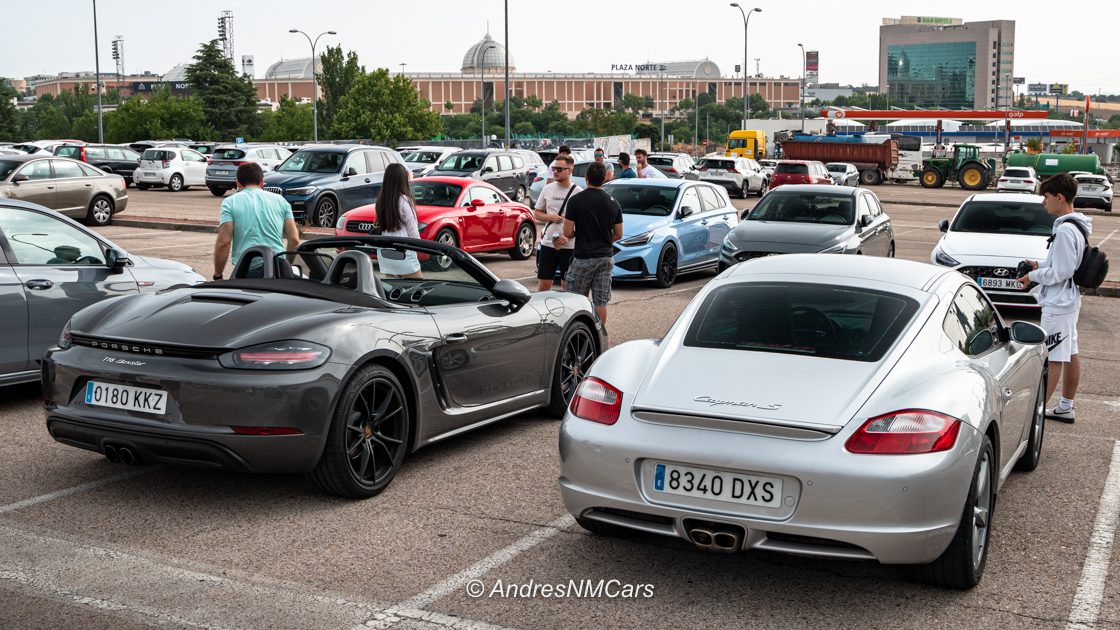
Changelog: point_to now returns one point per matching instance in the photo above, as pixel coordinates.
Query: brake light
(266, 431)
(730, 170)
(597, 401)
(82, 154)
(238, 163)
(209, 161)
(166, 164)
(281, 355)
(1003, 180)
(905, 432)
(671, 169)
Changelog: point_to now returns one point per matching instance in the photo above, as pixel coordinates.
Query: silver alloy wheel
(1039, 422)
(102, 211)
(175, 183)
(525, 239)
(324, 213)
(981, 509)
(519, 195)
(445, 237)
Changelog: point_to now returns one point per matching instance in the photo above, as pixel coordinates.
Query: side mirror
(477, 203)
(276, 167)
(513, 292)
(487, 169)
(19, 178)
(981, 342)
(350, 172)
(943, 225)
(685, 211)
(116, 260)
(1026, 332)
(864, 220)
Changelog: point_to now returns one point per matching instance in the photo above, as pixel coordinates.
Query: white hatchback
(174, 167)
(989, 236)
(1094, 191)
(1019, 179)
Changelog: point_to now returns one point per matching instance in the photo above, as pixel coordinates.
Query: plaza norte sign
(147, 87)
(926, 114)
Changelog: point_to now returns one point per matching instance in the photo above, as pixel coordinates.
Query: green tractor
(965, 167)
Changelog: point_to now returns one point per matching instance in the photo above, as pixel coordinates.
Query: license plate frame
(999, 284)
(148, 400)
(734, 488)
(221, 172)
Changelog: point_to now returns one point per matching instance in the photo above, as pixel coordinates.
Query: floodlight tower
(118, 55)
(225, 33)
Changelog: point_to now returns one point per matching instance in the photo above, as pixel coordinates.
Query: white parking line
(1105, 239)
(487, 564)
(65, 492)
(1090, 589)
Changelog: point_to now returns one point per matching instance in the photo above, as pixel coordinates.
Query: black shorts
(552, 263)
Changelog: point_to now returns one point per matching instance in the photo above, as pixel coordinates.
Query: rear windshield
(6, 168)
(70, 152)
(837, 168)
(423, 157)
(827, 321)
(1090, 180)
(462, 162)
(1016, 172)
(800, 207)
(660, 161)
(796, 169)
(719, 163)
(313, 162)
(157, 155)
(648, 200)
(228, 154)
(1003, 217)
(435, 194)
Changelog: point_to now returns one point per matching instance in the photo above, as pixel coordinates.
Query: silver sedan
(834, 406)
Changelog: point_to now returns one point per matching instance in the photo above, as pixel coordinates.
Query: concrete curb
(189, 225)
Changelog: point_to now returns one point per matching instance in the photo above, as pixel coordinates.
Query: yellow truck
(748, 143)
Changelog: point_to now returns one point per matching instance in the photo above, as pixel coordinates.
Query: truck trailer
(875, 161)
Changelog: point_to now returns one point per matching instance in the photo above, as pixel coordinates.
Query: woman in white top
(396, 216)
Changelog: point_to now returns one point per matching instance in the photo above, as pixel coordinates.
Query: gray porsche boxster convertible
(326, 365)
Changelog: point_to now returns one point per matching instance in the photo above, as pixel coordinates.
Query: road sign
(239, 140)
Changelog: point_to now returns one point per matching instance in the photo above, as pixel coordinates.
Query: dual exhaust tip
(120, 455)
(716, 537)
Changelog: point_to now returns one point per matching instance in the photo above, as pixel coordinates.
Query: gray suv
(505, 170)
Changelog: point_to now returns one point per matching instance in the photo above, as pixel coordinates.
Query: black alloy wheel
(667, 267)
(577, 351)
(325, 212)
(368, 436)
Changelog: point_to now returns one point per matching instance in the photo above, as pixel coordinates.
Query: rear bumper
(152, 178)
(1093, 201)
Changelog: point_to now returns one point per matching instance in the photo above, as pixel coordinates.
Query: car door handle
(368, 180)
(455, 338)
(38, 285)
(50, 187)
(88, 185)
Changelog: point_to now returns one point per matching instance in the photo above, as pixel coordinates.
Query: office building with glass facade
(946, 63)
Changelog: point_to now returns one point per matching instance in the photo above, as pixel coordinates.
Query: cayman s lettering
(714, 402)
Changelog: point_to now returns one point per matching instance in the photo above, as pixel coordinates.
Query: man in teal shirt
(252, 217)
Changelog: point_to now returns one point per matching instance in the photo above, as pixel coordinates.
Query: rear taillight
(702, 168)
(238, 163)
(1003, 180)
(266, 431)
(82, 154)
(806, 180)
(166, 164)
(209, 161)
(732, 170)
(281, 355)
(671, 170)
(906, 432)
(597, 401)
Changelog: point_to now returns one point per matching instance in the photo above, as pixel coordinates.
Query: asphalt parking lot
(87, 543)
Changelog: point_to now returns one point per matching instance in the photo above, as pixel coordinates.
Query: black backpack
(1093, 268)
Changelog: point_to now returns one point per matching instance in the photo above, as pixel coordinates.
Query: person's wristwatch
(217, 276)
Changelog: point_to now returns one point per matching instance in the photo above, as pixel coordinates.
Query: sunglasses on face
(559, 169)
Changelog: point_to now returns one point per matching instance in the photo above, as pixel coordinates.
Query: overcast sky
(1074, 44)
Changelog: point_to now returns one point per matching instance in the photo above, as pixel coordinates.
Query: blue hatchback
(669, 227)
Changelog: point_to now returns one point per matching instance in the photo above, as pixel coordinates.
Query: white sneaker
(1064, 415)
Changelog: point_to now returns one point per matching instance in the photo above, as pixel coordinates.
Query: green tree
(291, 121)
(759, 107)
(1034, 144)
(635, 104)
(9, 115)
(337, 76)
(161, 116)
(229, 100)
(385, 108)
(534, 102)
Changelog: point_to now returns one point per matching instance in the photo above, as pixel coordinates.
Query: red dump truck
(875, 162)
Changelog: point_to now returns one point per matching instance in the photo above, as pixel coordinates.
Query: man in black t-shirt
(596, 218)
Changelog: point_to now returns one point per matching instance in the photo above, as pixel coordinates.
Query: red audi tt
(466, 213)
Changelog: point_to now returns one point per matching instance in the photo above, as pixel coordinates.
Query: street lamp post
(314, 80)
(746, 23)
(802, 46)
(482, 87)
(402, 67)
(506, 43)
(97, 76)
(664, 104)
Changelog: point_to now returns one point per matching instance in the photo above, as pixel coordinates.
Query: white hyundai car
(989, 236)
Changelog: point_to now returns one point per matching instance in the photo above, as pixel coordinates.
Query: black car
(505, 170)
(107, 157)
(323, 181)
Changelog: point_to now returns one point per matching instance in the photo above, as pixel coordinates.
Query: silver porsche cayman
(835, 406)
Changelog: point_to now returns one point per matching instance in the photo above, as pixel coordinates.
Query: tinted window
(660, 161)
(313, 162)
(63, 168)
(1003, 217)
(228, 154)
(435, 194)
(580, 170)
(95, 152)
(710, 163)
(462, 162)
(651, 200)
(158, 155)
(423, 157)
(795, 169)
(969, 316)
(70, 152)
(6, 168)
(838, 168)
(1098, 181)
(797, 207)
(38, 239)
(801, 318)
(710, 197)
(1016, 172)
(37, 170)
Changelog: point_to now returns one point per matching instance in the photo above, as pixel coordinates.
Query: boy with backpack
(1060, 274)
